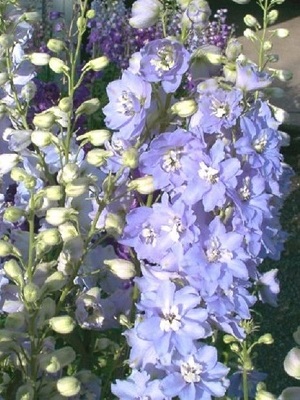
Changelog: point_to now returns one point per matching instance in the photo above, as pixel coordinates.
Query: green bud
(67, 231)
(68, 386)
(18, 174)
(267, 46)
(63, 324)
(97, 64)
(123, 269)
(54, 193)
(31, 293)
(91, 14)
(39, 59)
(130, 158)
(55, 281)
(272, 17)
(3, 78)
(6, 41)
(88, 107)
(235, 347)
(15, 321)
(58, 66)
(96, 137)
(184, 108)
(264, 395)
(81, 24)
(251, 21)
(233, 49)
(281, 33)
(49, 236)
(13, 214)
(6, 249)
(13, 270)
(42, 138)
(65, 104)
(114, 224)
(78, 187)
(282, 74)
(32, 16)
(98, 157)
(25, 392)
(143, 185)
(58, 359)
(55, 45)
(68, 173)
(28, 91)
(44, 120)
(229, 339)
(250, 34)
(59, 215)
(266, 339)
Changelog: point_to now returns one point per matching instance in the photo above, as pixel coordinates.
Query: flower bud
(264, 395)
(98, 157)
(25, 392)
(28, 91)
(88, 107)
(32, 16)
(290, 393)
(15, 321)
(55, 45)
(97, 64)
(81, 24)
(50, 236)
(229, 339)
(65, 104)
(272, 17)
(91, 14)
(266, 339)
(13, 214)
(96, 137)
(233, 49)
(229, 71)
(281, 33)
(68, 173)
(44, 120)
(63, 324)
(241, 1)
(267, 46)
(145, 14)
(78, 187)
(214, 58)
(13, 270)
(235, 347)
(6, 41)
(55, 281)
(143, 185)
(250, 21)
(3, 78)
(46, 311)
(68, 386)
(114, 224)
(130, 158)
(123, 269)
(18, 174)
(292, 363)
(54, 193)
(58, 359)
(184, 108)
(67, 231)
(42, 138)
(250, 34)
(8, 162)
(282, 74)
(39, 59)
(31, 293)
(57, 65)
(58, 215)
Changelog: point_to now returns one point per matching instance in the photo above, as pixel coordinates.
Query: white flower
(7, 162)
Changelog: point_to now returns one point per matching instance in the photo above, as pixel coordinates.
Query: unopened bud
(55, 281)
(55, 45)
(68, 173)
(130, 158)
(77, 187)
(143, 185)
(54, 193)
(42, 138)
(31, 293)
(88, 107)
(81, 24)
(266, 339)
(32, 16)
(267, 46)
(13, 214)
(281, 33)
(25, 392)
(184, 108)
(63, 324)
(97, 64)
(58, 359)
(39, 59)
(272, 17)
(67, 231)
(264, 395)
(98, 157)
(57, 65)
(229, 339)
(3, 78)
(68, 386)
(235, 347)
(114, 224)
(283, 74)
(6, 41)
(123, 269)
(50, 236)
(91, 14)
(28, 91)
(292, 363)
(233, 49)
(96, 137)
(65, 104)
(59, 215)
(18, 174)
(250, 21)
(13, 270)
(44, 120)
(250, 34)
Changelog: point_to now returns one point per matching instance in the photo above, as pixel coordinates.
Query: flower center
(165, 59)
(208, 173)
(171, 161)
(191, 371)
(260, 144)
(171, 320)
(149, 235)
(219, 110)
(244, 191)
(126, 102)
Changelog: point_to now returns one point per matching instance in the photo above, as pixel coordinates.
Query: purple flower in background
(129, 98)
(248, 77)
(196, 376)
(173, 319)
(138, 386)
(164, 61)
(268, 287)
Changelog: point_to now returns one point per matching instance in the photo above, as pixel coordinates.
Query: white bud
(281, 33)
(28, 91)
(130, 158)
(31, 293)
(13, 214)
(57, 65)
(96, 137)
(65, 104)
(13, 270)
(266, 339)
(78, 187)
(250, 34)
(292, 363)
(88, 107)
(145, 13)
(143, 185)
(63, 324)
(39, 59)
(54, 193)
(123, 269)
(44, 120)
(114, 224)
(68, 173)
(98, 157)
(184, 108)
(59, 215)
(267, 46)
(68, 386)
(42, 138)
(264, 395)
(250, 21)
(97, 64)
(67, 231)
(49, 236)
(272, 17)
(55, 45)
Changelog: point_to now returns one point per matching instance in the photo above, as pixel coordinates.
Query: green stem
(261, 58)
(245, 371)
